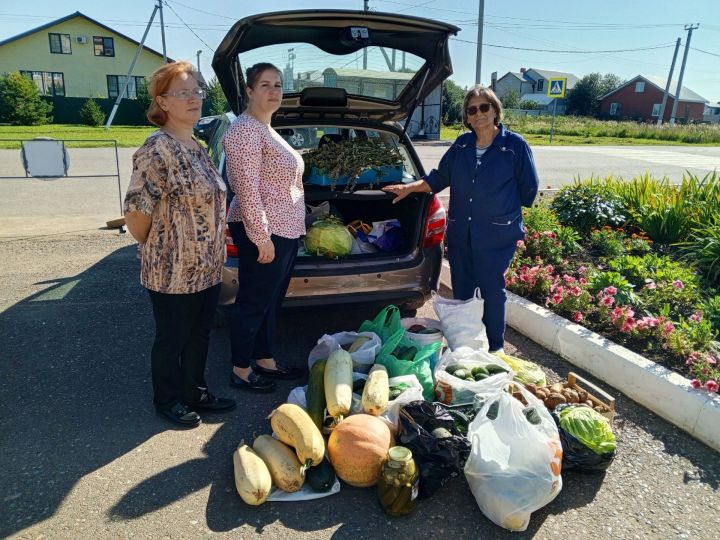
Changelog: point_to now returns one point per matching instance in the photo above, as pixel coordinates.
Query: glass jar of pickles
(398, 483)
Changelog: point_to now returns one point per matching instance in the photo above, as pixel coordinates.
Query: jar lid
(399, 453)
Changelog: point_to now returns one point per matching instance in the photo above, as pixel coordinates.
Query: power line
(188, 27)
(562, 51)
(706, 52)
(205, 12)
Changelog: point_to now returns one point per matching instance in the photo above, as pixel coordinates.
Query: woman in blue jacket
(491, 175)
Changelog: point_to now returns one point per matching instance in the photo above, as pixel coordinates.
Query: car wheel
(297, 139)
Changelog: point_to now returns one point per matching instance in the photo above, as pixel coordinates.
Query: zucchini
(493, 369)
(376, 393)
(316, 393)
(338, 384)
(321, 477)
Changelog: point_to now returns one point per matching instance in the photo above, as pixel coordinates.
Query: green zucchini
(316, 393)
(321, 477)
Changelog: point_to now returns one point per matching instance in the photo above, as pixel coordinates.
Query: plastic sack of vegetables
(462, 321)
(587, 438)
(362, 346)
(386, 324)
(401, 356)
(516, 458)
(438, 448)
(526, 372)
(328, 237)
(464, 372)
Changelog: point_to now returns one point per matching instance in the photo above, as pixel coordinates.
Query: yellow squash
(252, 477)
(284, 466)
(338, 384)
(294, 427)
(376, 393)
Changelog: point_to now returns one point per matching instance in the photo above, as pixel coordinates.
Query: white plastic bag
(297, 396)
(363, 358)
(514, 466)
(306, 493)
(462, 321)
(313, 213)
(453, 391)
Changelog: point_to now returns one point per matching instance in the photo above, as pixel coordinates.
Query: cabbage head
(328, 237)
(589, 427)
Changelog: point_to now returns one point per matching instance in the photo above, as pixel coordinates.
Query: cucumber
(479, 369)
(480, 376)
(316, 393)
(462, 373)
(492, 369)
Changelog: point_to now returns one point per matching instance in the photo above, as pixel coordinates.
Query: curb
(661, 390)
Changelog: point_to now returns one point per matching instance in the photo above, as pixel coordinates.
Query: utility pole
(199, 51)
(162, 31)
(122, 92)
(689, 29)
(478, 58)
(366, 7)
(661, 116)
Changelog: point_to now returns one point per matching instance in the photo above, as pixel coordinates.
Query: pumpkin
(358, 447)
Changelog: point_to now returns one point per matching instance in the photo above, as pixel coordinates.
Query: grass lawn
(126, 136)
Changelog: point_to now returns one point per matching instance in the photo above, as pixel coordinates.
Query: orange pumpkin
(358, 447)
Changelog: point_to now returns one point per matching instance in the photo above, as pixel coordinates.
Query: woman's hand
(403, 190)
(266, 252)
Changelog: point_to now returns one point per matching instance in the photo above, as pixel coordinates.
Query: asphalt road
(31, 207)
(83, 455)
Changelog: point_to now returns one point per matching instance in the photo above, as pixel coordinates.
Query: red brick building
(641, 98)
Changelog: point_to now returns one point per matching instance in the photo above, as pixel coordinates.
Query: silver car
(349, 74)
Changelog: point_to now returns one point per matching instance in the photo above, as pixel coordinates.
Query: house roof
(572, 80)
(685, 93)
(372, 74)
(72, 16)
(540, 99)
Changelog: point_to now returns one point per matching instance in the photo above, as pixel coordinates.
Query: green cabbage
(328, 237)
(589, 427)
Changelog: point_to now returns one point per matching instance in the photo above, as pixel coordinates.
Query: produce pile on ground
(366, 417)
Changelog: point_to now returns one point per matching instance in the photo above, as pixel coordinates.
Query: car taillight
(435, 224)
(230, 246)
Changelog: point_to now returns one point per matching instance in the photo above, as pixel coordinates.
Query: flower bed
(634, 261)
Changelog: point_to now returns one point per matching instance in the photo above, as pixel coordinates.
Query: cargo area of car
(369, 206)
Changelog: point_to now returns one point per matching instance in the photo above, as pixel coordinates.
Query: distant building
(711, 113)
(531, 85)
(641, 99)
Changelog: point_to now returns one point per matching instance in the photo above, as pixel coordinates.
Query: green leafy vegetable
(328, 237)
(589, 427)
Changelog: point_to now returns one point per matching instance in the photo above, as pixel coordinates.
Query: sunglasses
(483, 108)
(197, 93)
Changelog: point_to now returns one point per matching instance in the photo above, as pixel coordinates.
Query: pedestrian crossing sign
(556, 87)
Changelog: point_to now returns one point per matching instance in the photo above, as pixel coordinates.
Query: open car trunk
(370, 206)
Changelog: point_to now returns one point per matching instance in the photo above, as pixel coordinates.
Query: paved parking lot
(85, 457)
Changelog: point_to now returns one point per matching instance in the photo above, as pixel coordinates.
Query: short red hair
(160, 81)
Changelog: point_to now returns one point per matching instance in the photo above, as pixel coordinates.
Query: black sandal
(255, 383)
(181, 415)
(281, 371)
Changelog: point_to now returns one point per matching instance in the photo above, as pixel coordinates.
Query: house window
(640, 86)
(540, 85)
(104, 46)
(49, 83)
(614, 108)
(116, 82)
(656, 109)
(60, 43)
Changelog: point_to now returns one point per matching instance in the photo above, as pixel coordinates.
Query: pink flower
(583, 281)
(611, 291)
(695, 384)
(575, 291)
(668, 328)
(678, 284)
(582, 270)
(711, 386)
(652, 322)
(607, 301)
(711, 359)
(696, 317)
(628, 325)
(520, 244)
(556, 298)
(568, 279)
(650, 285)
(577, 316)
(615, 314)
(549, 268)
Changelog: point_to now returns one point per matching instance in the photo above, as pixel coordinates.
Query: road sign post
(556, 90)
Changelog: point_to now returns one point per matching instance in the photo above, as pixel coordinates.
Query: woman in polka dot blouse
(266, 218)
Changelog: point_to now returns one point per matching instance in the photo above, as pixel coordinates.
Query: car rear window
(377, 72)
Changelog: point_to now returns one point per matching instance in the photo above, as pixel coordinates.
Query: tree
(21, 103)
(584, 98)
(528, 105)
(218, 103)
(511, 100)
(91, 114)
(452, 101)
(143, 96)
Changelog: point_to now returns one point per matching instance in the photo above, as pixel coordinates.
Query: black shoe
(255, 383)
(181, 415)
(210, 403)
(280, 372)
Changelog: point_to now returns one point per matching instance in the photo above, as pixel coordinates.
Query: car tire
(297, 139)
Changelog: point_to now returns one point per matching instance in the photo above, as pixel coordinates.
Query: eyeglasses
(198, 93)
(483, 108)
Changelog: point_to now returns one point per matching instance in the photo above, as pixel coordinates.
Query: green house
(76, 57)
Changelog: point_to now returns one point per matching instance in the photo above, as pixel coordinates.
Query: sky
(548, 29)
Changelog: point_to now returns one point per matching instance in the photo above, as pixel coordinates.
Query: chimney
(523, 70)
(493, 80)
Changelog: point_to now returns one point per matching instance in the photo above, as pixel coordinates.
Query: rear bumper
(409, 283)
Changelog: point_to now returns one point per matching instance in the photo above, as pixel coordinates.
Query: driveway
(83, 455)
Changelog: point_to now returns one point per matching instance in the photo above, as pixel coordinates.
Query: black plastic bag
(439, 459)
(577, 456)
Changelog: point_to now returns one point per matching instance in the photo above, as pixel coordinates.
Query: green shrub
(569, 239)
(21, 103)
(91, 114)
(711, 309)
(607, 242)
(599, 280)
(540, 218)
(704, 250)
(587, 205)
